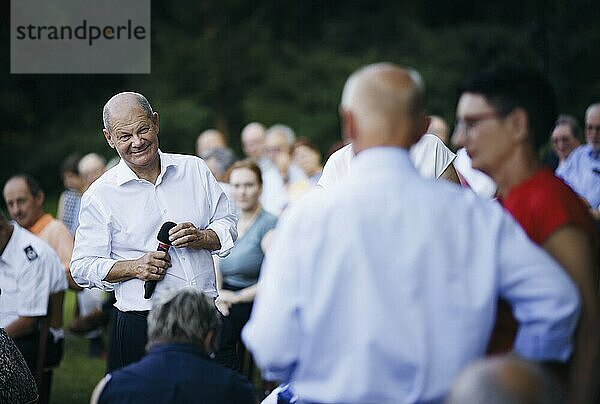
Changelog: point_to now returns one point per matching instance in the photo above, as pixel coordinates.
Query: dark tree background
(224, 63)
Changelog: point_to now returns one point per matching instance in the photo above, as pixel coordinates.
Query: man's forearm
(121, 271)
(21, 327)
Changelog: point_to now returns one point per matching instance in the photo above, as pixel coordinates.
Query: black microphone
(163, 245)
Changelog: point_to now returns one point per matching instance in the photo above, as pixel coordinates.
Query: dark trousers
(131, 332)
(29, 347)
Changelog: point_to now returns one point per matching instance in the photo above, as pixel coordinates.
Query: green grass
(78, 374)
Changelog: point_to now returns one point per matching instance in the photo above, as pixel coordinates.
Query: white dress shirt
(120, 218)
(29, 272)
(429, 155)
(377, 292)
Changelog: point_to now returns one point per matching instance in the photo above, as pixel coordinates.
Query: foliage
(224, 63)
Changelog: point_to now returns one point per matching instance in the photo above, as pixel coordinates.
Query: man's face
(307, 159)
(22, 207)
(253, 142)
(563, 141)
(592, 128)
(278, 150)
(485, 135)
(134, 136)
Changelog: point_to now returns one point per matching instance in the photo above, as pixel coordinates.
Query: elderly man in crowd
(506, 114)
(122, 212)
(210, 139)
(387, 302)
(581, 170)
(565, 137)
(182, 332)
(24, 200)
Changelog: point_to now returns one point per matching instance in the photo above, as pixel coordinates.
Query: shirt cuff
(225, 238)
(551, 346)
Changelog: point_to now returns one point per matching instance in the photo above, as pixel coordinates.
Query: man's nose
(459, 137)
(137, 140)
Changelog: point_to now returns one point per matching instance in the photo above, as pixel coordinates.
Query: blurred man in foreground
(359, 319)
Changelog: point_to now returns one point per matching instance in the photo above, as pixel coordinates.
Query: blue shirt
(176, 373)
(581, 171)
(383, 288)
(241, 267)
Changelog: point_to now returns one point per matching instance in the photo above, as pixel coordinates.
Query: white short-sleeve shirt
(429, 155)
(29, 272)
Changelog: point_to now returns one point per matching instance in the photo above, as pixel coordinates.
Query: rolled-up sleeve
(91, 260)
(544, 299)
(223, 220)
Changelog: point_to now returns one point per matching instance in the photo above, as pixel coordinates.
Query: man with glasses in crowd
(582, 169)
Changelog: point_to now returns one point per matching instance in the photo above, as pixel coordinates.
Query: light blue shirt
(383, 288)
(581, 171)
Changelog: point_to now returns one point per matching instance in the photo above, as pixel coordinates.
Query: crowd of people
(397, 272)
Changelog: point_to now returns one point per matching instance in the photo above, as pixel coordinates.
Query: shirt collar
(374, 158)
(41, 223)
(11, 247)
(593, 154)
(125, 174)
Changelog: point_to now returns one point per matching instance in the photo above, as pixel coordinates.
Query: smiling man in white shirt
(122, 212)
(372, 293)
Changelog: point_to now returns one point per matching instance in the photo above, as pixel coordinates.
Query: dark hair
(571, 122)
(70, 164)
(250, 165)
(32, 184)
(508, 87)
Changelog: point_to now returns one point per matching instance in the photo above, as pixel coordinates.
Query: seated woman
(240, 269)
(17, 384)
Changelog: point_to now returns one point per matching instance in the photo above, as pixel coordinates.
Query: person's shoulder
(345, 154)
(31, 249)
(57, 227)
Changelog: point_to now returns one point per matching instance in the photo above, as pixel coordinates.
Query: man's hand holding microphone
(152, 266)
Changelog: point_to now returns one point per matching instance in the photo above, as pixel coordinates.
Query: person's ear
(108, 138)
(39, 198)
(155, 119)
(348, 125)
(425, 122)
(519, 124)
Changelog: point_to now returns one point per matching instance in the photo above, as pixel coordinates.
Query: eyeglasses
(469, 122)
(592, 128)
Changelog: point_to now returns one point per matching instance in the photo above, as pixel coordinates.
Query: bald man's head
(123, 102)
(382, 104)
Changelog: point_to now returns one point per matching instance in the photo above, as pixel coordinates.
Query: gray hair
(185, 316)
(224, 158)
(142, 101)
(285, 130)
